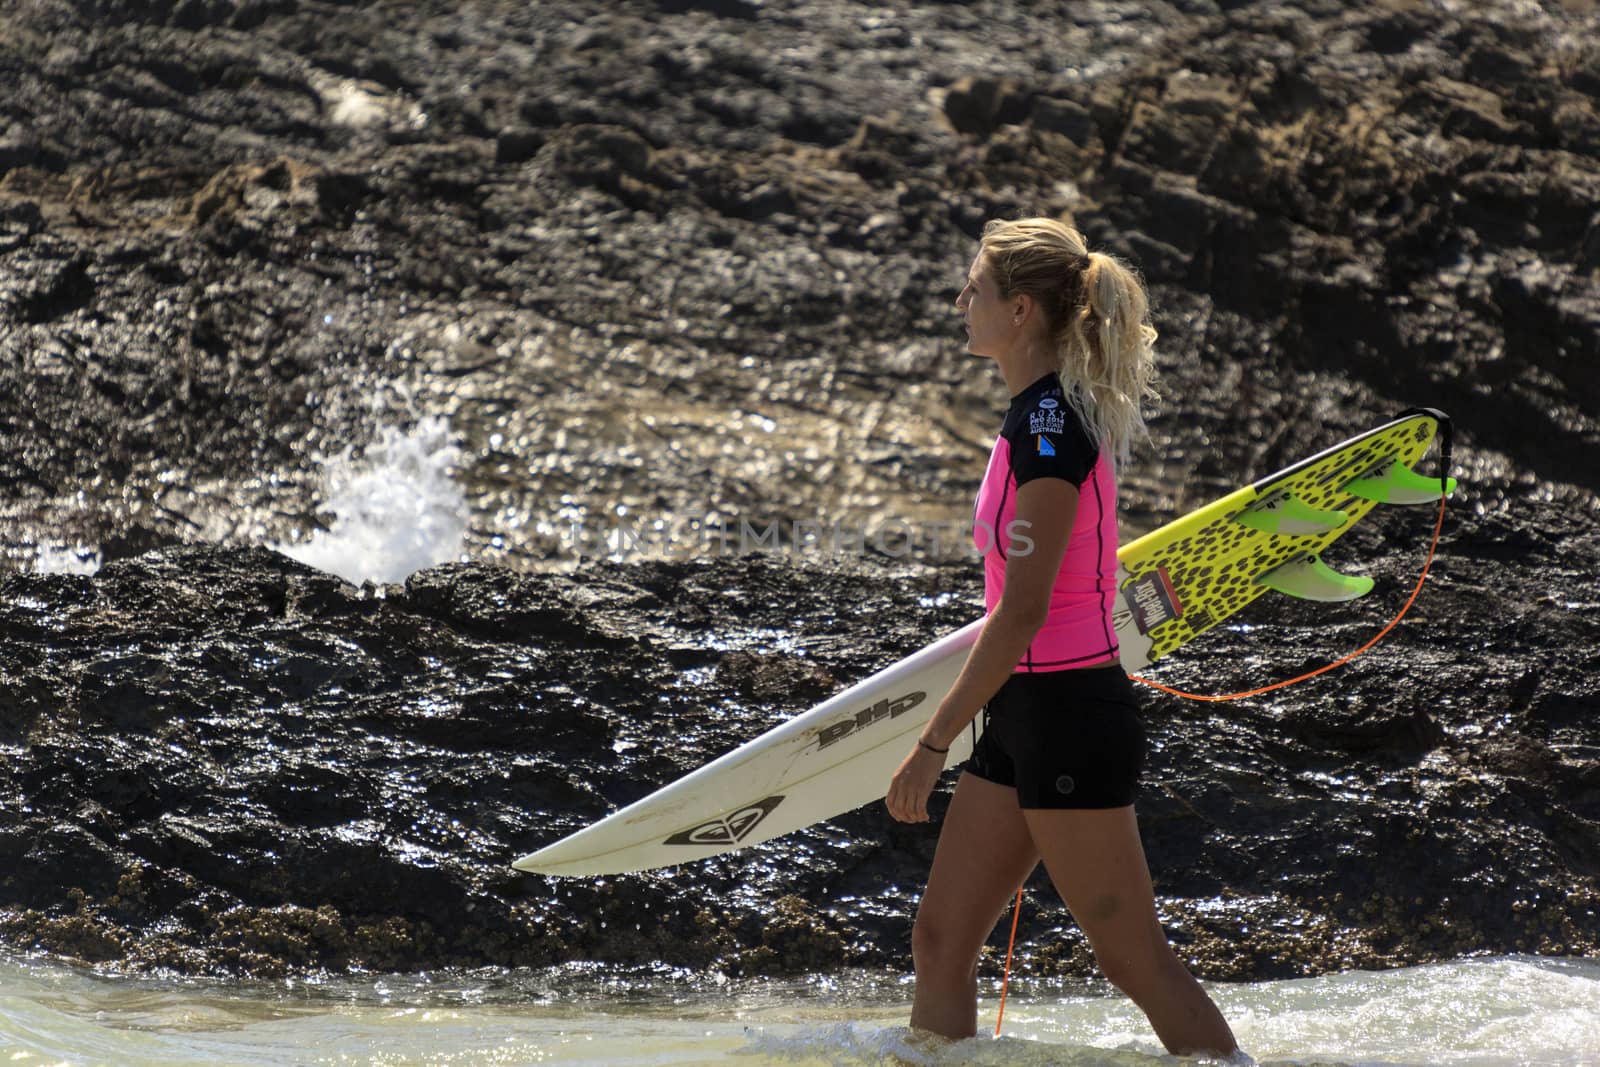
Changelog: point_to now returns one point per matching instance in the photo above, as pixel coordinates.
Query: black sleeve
(1050, 442)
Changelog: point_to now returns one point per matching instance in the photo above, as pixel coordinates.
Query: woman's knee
(943, 946)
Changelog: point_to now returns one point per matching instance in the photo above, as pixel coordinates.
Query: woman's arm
(1045, 511)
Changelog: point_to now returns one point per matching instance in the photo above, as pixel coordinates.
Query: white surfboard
(1173, 584)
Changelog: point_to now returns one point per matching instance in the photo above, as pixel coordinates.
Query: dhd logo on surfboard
(728, 830)
(883, 709)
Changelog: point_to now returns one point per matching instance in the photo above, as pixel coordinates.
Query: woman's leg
(1097, 864)
(984, 854)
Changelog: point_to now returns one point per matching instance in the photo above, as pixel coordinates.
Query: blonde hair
(1097, 313)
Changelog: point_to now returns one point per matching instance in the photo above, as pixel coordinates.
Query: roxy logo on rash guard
(728, 830)
(1047, 420)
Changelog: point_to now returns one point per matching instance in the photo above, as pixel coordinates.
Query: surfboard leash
(1438, 526)
(1005, 980)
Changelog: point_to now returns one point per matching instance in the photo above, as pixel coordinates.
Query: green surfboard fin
(1308, 578)
(1285, 513)
(1392, 482)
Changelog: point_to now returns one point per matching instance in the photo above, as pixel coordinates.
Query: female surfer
(1054, 775)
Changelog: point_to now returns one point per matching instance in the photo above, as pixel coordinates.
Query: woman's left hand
(913, 783)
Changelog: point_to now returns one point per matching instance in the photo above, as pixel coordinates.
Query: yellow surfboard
(1177, 582)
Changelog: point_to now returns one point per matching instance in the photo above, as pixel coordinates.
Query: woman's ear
(1021, 307)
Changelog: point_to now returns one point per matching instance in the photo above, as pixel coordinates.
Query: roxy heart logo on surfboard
(728, 830)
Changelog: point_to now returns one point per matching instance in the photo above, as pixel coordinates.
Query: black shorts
(1063, 739)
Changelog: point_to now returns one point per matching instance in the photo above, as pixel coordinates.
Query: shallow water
(1474, 1013)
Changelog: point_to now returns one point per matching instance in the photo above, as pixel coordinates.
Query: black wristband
(930, 748)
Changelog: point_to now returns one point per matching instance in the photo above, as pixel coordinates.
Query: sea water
(1470, 1013)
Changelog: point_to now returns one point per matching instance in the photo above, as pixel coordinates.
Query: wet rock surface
(693, 259)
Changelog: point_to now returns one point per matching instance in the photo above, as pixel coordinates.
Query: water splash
(396, 509)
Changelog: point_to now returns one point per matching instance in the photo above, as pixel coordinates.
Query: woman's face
(988, 315)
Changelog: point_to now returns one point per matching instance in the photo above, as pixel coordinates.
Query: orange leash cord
(1433, 547)
(1016, 913)
(1423, 577)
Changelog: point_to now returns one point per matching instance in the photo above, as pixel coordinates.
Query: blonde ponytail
(1097, 310)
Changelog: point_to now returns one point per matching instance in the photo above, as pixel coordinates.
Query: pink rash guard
(1042, 437)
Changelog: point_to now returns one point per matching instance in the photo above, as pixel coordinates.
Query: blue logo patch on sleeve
(1045, 447)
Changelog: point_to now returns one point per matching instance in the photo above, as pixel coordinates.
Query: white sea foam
(1507, 1012)
(1517, 1012)
(78, 559)
(395, 510)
